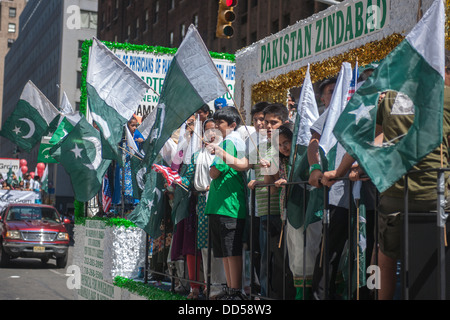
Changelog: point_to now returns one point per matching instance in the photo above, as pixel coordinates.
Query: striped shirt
(261, 194)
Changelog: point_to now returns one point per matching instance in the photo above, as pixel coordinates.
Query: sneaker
(236, 294)
(223, 295)
(194, 294)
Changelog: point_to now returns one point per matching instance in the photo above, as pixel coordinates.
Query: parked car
(33, 231)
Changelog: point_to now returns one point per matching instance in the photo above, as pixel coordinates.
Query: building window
(116, 10)
(136, 35)
(171, 4)
(88, 19)
(182, 31)
(286, 20)
(195, 20)
(10, 42)
(11, 27)
(128, 33)
(155, 11)
(171, 39)
(80, 48)
(275, 28)
(78, 79)
(12, 12)
(146, 19)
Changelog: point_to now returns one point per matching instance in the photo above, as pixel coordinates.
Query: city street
(30, 279)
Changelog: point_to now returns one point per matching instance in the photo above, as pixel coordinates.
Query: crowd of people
(221, 174)
(27, 183)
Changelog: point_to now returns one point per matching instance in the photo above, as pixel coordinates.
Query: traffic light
(225, 18)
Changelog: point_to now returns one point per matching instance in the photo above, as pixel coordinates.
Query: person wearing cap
(219, 103)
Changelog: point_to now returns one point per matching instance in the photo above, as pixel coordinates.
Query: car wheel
(61, 262)
(4, 257)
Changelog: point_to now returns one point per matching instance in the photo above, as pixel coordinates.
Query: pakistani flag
(191, 81)
(31, 118)
(68, 120)
(114, 92)
(414, 68)
(44, 151)
(307, 114)
(80, 153)
(330, 151)
(149, 212)
(338, 102)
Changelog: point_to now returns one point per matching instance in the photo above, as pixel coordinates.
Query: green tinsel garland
(110, 222)
(144, 290)
(78, 208)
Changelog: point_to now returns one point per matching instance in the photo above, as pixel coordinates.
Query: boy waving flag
(421, 78)
(30, 119)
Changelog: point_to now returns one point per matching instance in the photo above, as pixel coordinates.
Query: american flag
(354, 82)
(106, 194)
(169, 174)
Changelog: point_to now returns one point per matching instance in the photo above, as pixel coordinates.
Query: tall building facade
(165, 22)
(47, 53)
(9, 31)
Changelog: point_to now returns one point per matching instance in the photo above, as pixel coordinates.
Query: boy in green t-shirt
(227, 203)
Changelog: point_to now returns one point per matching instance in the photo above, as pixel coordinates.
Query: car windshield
(33, 213)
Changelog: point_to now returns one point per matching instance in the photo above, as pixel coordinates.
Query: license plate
(38, 249)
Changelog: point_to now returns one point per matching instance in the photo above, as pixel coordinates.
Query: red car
(33, 231)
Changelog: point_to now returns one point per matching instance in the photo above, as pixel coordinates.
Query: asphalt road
(30, 279)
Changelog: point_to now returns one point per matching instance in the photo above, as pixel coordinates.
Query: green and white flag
(414, 68)
(307, 114)
(80, 153)
(149, 212)
(31, 118)
(114, 92)
(44, 151)
(337, 104)
(191, 81)
(68, 120)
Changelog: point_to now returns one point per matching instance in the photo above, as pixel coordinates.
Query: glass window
(80, 48)
(88, 20)
(182, 31)
(195, 20)
(171, 39)
(156, 11)
(12, 12)
(11, 27)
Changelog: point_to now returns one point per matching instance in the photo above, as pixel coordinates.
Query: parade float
(111, 252)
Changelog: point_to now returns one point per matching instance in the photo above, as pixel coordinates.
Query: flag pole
(130, 153)
(357, 249)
